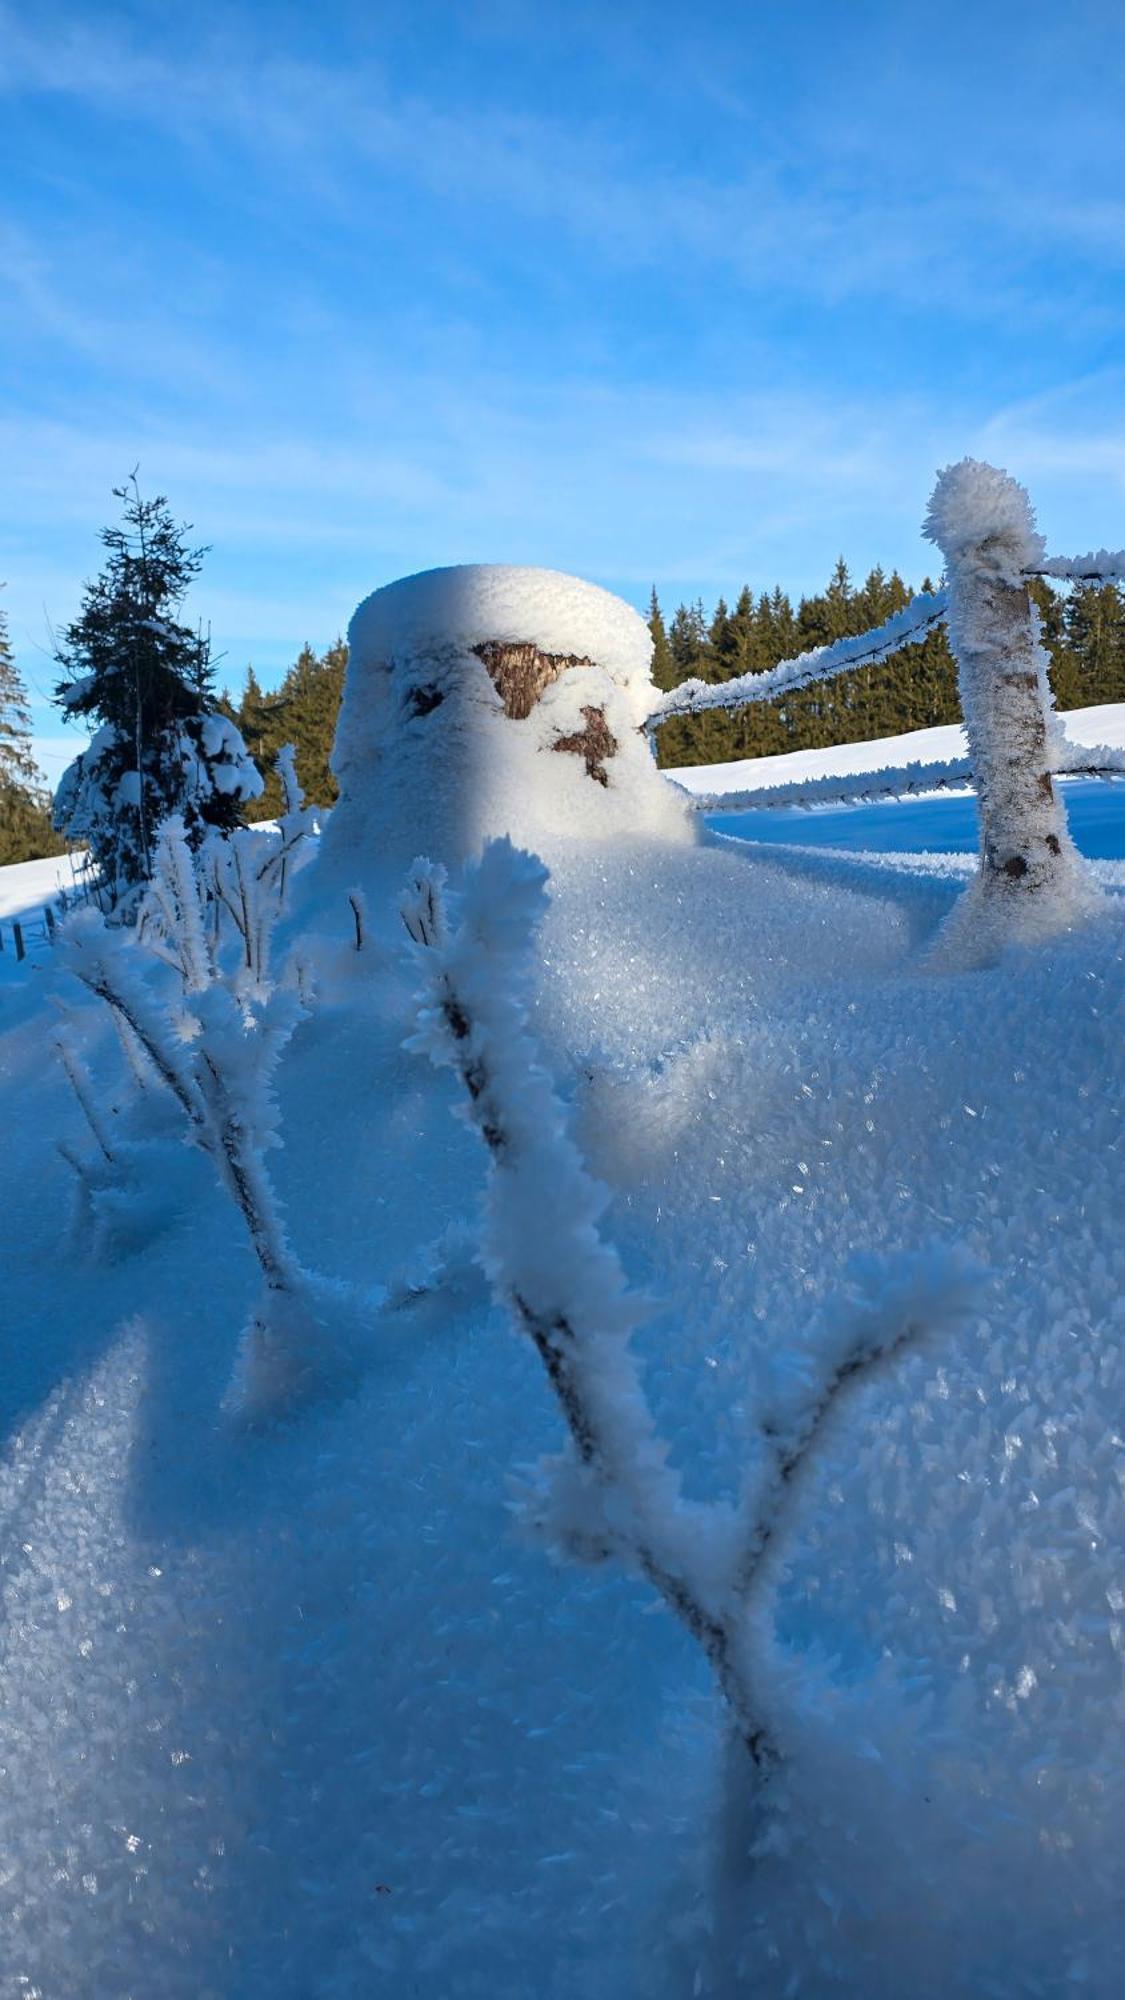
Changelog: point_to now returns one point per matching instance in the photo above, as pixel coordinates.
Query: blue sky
(686, 294)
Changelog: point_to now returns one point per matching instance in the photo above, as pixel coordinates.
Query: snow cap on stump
(491, 699)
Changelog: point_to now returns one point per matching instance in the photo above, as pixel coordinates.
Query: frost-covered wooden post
(1032, 879)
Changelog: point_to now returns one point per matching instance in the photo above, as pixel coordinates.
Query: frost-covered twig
(566, 1289)
(865, 649)
(357, 903)
(894, 1303)
(140, 1068)
(172, 919)
(247, 875)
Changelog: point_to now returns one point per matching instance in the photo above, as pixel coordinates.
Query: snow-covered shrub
(198, 768)
(216, 1050)
(1032, 880)
(613, 1491)
(243, 881)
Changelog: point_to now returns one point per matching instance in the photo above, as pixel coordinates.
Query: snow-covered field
(29, 885)
(300, 1712)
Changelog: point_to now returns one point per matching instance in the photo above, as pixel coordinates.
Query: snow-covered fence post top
(486, 700)
(982, 521)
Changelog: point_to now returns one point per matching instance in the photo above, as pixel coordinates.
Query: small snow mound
(471, 603)
(974, 502)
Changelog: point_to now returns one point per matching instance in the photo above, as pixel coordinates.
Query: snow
(475, 602)
(304, 1710)
(76, 690)
(428, 761)
(974, 504)
(29, 885)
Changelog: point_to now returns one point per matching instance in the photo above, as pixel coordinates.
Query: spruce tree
(145, 681)
(302, 712)
(664, 671)
(1094, 627)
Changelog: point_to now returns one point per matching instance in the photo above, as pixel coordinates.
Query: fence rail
(906, 628)
(896, 781)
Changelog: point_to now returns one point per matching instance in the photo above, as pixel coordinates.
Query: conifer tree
(303, 712)
(1094, 628)
(146, 682)
(663, 665)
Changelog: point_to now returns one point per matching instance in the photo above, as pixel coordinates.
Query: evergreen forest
(1083, 631)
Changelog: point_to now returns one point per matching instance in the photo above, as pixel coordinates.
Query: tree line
(129, 666)
(26, 831)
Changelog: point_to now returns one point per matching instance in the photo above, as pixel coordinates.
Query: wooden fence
(982, 521)
(26, 935)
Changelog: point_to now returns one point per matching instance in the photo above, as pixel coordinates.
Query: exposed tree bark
(595, 743)
(520, 672)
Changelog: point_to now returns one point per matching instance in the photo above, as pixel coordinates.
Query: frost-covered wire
(898, 781)
(1100, 566)
(615, 1491)
(891, 781)
(865, 649)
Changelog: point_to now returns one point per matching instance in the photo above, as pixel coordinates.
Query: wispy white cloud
(328, 423)
(803, 216)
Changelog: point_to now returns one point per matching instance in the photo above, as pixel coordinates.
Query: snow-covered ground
(299, 1713)
(30, 885)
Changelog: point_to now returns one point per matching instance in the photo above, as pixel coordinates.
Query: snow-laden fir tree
(145, 680)
(25, 818)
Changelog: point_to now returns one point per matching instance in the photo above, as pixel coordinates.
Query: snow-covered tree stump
(488, 700)
(1032, 880)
